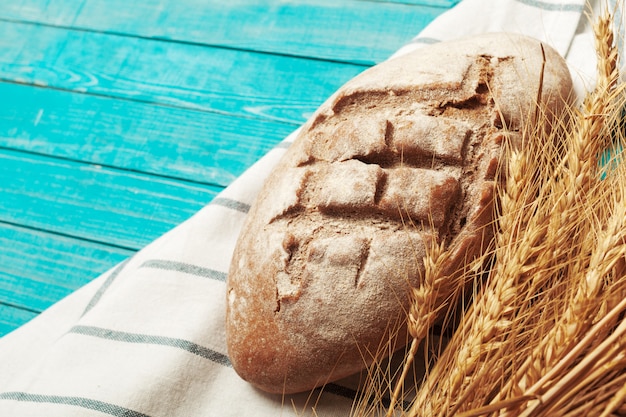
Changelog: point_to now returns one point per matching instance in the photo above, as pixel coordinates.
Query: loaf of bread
(404, 153)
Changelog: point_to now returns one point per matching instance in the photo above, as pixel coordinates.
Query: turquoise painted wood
(71, 260)
(175, 74)
(70, 257)
(39, 268)
(120, 119)
(205, 147)
(349, 30)
(11, 317)
(110, 206)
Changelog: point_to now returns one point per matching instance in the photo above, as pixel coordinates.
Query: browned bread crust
(406, 152)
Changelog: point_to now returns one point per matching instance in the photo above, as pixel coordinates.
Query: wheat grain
(532, 254)
(483, 329)
(545, 334)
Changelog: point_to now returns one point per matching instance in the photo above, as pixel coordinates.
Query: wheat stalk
(423, 311)
(533, 256)
(545, 334)
(548, 355)
(490, 322)
(615, 402)
(597, 258)
(597, 358)
(439, 290)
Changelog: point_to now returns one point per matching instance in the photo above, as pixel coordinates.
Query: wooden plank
(13, 317)
(42, 257)
(38, 268)
(24, 294)
(98, 204)
(345, 30)
(261, 86)
(180, 143)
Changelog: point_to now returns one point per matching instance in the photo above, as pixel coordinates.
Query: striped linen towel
(147, 337)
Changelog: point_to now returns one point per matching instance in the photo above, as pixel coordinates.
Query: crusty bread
(406, 152)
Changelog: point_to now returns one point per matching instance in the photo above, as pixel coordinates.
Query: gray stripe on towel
(231, 204)
(185, 268)
(86, 403)
(126, 337)
(105, 286)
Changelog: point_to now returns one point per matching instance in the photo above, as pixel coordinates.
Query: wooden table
(121, 118)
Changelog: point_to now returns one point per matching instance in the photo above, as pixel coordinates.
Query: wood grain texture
(348, 30)
(11, 317)
(74, 259)
(109, 206)
(30, 259)
(204, 147)
(239, 83)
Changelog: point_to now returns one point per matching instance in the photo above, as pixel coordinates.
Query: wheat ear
(481, 331)
(577, 178)
(423, 312)
(499, 309)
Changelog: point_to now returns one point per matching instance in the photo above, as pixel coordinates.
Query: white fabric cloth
(147, 338)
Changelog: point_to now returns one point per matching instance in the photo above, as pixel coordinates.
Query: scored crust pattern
(402, 155)
(386, 161)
